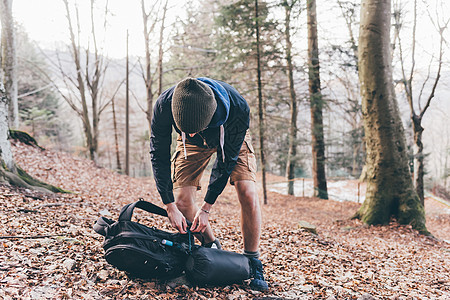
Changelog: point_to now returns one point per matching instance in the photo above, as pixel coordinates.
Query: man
(210, 117)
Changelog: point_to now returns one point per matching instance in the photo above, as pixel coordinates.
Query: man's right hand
(176, 218)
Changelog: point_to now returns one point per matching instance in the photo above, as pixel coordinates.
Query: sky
(45, 21)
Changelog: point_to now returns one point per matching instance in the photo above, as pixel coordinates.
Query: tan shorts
(188, 171)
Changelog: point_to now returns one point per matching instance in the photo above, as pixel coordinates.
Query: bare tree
(9, 62)
(316, 104)
(84, 85)
(261, 104)
(292, 151)
(390, 192)
(116, 136)
(150, 19)
(161, 51)
(419, 104)
(352, 106)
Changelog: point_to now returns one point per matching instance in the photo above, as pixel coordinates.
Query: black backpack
(141, 251)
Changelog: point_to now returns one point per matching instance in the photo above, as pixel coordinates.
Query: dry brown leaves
(49, 250)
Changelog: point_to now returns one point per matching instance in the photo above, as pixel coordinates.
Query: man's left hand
(200, 222)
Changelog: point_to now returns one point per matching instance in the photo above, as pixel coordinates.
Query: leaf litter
(50, 251)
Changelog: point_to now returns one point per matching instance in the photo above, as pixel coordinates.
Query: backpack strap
(127, 211)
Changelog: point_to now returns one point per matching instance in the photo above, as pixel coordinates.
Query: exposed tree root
(18, 177)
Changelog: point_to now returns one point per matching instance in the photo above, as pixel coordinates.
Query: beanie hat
(193, 105)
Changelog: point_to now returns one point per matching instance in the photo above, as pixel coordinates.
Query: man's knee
(247, 193)
(185, 199)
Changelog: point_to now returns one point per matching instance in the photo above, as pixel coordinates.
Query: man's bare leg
(185, 201)
(250, 214)
(251, 230)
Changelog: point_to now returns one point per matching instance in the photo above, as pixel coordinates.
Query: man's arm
(160, 141)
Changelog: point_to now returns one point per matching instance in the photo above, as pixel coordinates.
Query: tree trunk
(390, 192)
(95, 122)
(116, 137)
(6, 157)
(9, 61)
(127, 115)
(292, 152)
(161, 52)
(261, 105)
(80, 86)
(316, 104)
(355, 166)
(5, 146)
(148, 79)
(419, 168)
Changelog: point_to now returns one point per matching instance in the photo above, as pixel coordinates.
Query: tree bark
(292, 152)
(5, 146)
(261, 105)
(316, 104)
(390, 192)
(419, 165)
(116, 137)
(9, 61)
(6, 156)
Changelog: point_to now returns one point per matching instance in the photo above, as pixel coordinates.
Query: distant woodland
(337, 89)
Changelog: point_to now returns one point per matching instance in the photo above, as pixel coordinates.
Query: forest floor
(48, 249)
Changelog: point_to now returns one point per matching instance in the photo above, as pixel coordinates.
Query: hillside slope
(49, 250)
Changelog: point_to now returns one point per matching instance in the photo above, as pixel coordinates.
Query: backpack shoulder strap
(127, 211)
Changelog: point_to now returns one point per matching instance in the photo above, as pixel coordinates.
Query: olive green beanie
(193, 105)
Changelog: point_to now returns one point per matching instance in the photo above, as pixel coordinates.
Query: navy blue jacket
(232, 112)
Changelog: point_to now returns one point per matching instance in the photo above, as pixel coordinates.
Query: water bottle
(167, 243)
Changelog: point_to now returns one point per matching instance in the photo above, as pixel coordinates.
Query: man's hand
(201, 222)
(176, 218)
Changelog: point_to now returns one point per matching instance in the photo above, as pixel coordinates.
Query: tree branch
(13, 237)
(438, 74)
(406, 81)
(137, 101)
(102, 108)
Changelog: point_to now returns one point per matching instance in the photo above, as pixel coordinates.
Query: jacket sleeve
(160, 140)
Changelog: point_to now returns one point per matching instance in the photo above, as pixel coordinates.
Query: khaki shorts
(188, 171)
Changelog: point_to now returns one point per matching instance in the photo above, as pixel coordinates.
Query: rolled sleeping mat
(209, 266)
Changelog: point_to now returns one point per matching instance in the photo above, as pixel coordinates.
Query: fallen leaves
(53, 252)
